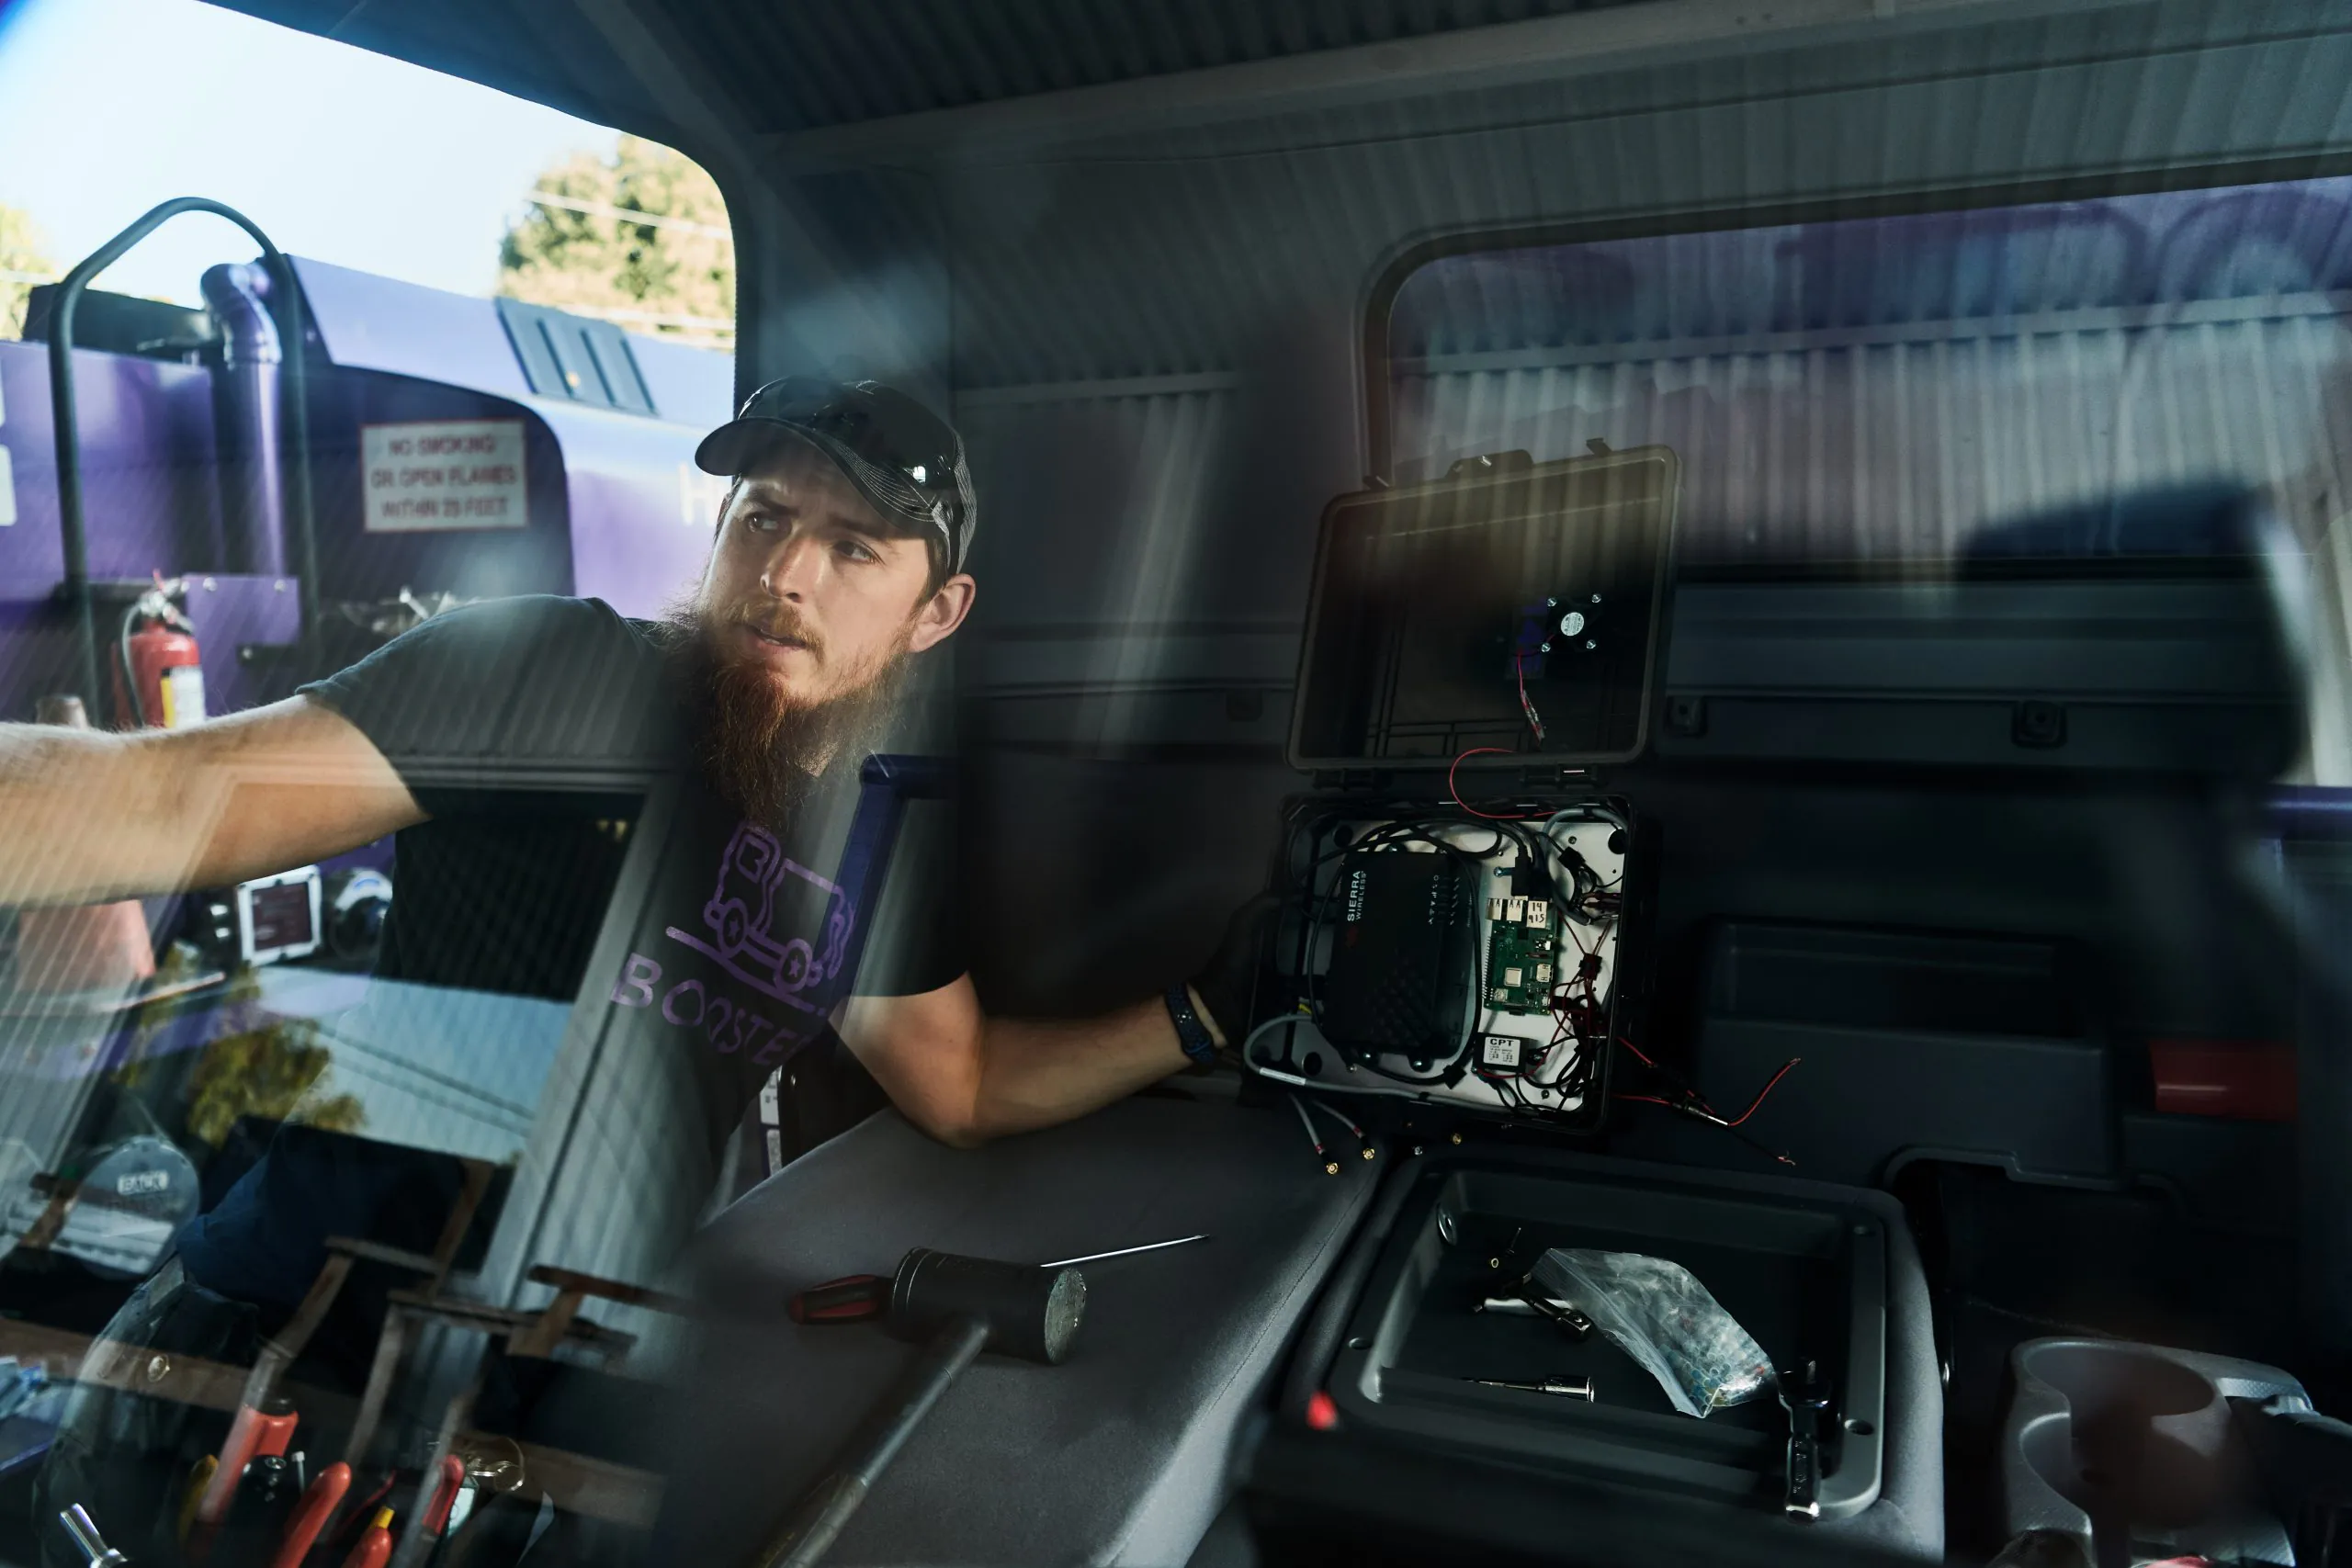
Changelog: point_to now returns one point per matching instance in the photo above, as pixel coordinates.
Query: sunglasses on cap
(902, 457)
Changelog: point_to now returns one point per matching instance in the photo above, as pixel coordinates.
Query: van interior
(1757, 595)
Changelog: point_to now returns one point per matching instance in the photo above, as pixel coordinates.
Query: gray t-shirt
(528, 729)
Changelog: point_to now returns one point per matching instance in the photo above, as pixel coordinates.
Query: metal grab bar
(69, 434)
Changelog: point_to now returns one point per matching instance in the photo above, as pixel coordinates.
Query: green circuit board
(1522, 946)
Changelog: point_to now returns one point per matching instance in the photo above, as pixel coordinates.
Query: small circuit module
(1522, 954)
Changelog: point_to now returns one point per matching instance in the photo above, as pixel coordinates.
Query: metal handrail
(71, 524)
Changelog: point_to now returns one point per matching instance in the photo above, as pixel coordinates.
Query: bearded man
(838, 558)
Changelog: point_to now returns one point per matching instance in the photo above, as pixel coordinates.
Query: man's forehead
(798, 475)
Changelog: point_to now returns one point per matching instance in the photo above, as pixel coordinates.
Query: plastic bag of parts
(1657, 1313)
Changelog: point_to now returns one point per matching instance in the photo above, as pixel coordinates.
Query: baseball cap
(901, 456)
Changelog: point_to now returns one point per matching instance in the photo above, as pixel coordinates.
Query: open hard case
(1459, 961)
(1463, 899)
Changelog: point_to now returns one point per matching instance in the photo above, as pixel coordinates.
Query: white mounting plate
(1296, 1038)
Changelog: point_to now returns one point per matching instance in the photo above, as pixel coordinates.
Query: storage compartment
(2062, 656)
(2134, 1450)
(1969, 1048)
(1802, 1269)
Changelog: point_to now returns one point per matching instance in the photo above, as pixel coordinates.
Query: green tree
(24, 261)
(579, 247)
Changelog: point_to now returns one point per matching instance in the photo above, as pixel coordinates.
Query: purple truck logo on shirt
(759, 889)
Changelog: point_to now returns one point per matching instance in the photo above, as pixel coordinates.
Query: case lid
(1511, 604)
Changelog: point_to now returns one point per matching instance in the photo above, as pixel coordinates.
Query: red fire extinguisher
(158, 682)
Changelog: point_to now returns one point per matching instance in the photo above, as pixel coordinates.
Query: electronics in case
(1462, 901)
(1402, 953)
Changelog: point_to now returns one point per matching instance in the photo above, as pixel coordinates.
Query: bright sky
(108, 106)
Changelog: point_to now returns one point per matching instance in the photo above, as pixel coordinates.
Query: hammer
(955, 1307)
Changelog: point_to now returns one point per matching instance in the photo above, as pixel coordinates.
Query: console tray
(1803, 1266)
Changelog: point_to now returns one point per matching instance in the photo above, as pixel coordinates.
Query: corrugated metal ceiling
(804, 64)
(793, 67)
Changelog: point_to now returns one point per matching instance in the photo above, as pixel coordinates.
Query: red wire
(1519, 667)
(1696, 1105)
(1762, 1093)
(1490, 816)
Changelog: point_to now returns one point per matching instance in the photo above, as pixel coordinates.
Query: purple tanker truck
(211, 506)
(457, 448)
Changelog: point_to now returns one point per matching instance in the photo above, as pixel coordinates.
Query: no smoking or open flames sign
(445, 474)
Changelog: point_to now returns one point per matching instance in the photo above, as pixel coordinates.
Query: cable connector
(1342, 1118)
(1331, 1166)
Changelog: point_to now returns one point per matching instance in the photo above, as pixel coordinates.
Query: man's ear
(943, 612)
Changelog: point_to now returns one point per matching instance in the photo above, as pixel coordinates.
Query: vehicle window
(1630, 843)
(1879, 389)
(1884, 389)
(292, 1145)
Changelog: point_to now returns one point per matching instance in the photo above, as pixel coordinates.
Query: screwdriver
(1124, 1252)
(84, 1531)
(861, 1298)
(1565, 1388)
(1571, 1322)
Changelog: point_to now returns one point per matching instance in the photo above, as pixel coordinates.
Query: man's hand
(1223, 989)
(88, 817)
(965, 1077)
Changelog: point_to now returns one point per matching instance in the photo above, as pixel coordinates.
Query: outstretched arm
(965, 1077)
(86, 816)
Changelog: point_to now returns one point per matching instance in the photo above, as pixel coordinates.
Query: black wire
(1412, 823)
(1508, 1091)
(1446, 1077)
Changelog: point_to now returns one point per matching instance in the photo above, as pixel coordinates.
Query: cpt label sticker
(443, 474)
(1499, 1051)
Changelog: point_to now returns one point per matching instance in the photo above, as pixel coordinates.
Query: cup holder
(2132, 1447)
(2142, 1441)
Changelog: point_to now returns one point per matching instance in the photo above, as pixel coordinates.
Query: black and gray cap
(904, 459)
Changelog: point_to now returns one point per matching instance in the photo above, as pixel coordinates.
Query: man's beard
(758, 747)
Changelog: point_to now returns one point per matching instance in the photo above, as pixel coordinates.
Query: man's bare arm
(86, 816)
(965, 1077)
